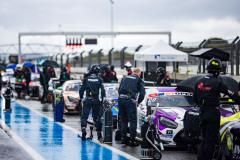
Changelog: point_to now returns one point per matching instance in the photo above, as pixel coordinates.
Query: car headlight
(72, 99)
(168, 123)
(4, 79)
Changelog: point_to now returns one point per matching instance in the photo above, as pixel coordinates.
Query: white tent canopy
(161, 52)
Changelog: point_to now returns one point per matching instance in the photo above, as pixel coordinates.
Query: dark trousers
(128, 113)
(210, 124)
(93, 104)
(45, 95)
(27, 87)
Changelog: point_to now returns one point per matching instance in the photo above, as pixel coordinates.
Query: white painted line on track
(21, 142)
(126, 155)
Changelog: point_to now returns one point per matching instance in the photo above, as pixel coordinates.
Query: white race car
(173, 104)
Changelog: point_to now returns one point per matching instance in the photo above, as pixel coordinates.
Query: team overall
(206, 95)
(128, 93)
(91, 84)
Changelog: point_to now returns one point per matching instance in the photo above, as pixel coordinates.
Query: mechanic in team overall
(44, 79)
(91, 85)
(64, 75)
(113, 75)
(206, 95)
(27, 76)
(128, 94)
(162, 78)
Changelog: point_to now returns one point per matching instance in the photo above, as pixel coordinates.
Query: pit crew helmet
(95, 68)
(161, 70)
(128, 64)
(214, 66)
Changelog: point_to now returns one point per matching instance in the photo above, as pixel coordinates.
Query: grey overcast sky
(188, 20)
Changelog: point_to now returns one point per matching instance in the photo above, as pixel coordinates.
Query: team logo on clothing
(200, 86)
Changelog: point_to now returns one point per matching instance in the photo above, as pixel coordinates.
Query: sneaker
(84, 133)
(100, 137)
(133, 143)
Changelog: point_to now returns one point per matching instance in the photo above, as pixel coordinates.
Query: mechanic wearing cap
(92, 84)
(128, 93)
(162, 78)
(128, 66)
(206, 96)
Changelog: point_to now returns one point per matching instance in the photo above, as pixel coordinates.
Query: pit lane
(73, 122)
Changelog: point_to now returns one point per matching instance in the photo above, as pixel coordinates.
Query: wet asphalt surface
(10, 150)
(74, 122)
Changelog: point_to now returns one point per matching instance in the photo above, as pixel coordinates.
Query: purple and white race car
(173, 104)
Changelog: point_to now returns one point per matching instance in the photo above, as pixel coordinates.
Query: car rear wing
(227, 100)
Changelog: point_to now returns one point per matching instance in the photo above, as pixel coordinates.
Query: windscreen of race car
(171, 99)
(73, 87)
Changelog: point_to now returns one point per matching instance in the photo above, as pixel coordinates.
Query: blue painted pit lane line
(51, 140)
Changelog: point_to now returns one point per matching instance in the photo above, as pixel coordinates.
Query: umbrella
(48, 63)
(209, 53)
(188, 84)
(12, 66)
(35, 69)
(28, 64)
(2, 68)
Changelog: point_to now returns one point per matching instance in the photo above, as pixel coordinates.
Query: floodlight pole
(19, 49)
(111, 1)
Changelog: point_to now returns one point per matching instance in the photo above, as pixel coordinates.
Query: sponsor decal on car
(167, 135)
(70, 104)
(170, 93)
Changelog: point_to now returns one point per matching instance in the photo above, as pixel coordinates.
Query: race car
(173, 104)
(34, 87)
(70, 93)
(230, 136)
(8, 76)
(53, 85)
